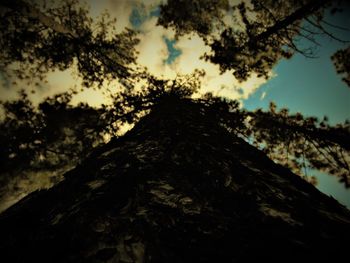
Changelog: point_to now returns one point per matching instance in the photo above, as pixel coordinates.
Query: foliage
(292, 140)
(60, 36)
(301, 143)
(197, 16)
(258, 34)
(50, 136)
(57, 133)
(341, 61)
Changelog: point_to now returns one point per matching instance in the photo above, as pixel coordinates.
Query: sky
(309, 86)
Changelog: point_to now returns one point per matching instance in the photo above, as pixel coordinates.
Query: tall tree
(177, 188)
(183, 185)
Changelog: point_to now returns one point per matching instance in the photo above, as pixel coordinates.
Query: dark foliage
(49, 136)
(57, 134)
(35, 41)
(258, 35)
(341, 61)
(300, 143)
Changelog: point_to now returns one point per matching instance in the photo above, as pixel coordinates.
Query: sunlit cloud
(153, 50)
(56, 82)
(120, 9)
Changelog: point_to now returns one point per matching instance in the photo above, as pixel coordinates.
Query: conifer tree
(193, 181)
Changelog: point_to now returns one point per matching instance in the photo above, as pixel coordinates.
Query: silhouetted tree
(176, 188)
(184, 185)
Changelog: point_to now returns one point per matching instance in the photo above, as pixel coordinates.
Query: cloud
(57, 82)
(263, 95)
(153, 50)
(121, 9)
(220, 84)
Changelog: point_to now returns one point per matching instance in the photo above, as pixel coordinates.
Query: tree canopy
(61, 36)
(259, 34)
(246, 37)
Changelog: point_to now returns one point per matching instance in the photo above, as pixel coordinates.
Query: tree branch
(299, 14)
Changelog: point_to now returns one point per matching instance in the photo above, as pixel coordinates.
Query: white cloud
(57, 82)
(263, 95)
(220, 84)
(153, 49)
(121, 9)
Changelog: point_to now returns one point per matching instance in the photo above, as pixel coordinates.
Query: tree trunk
(176, 188)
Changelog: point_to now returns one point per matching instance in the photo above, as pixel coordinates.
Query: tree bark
(176, 188)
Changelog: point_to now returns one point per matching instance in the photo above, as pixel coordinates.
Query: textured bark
(177, 188)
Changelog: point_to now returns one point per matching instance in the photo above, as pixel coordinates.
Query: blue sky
(307, 85)
(173, 52)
